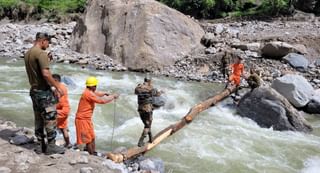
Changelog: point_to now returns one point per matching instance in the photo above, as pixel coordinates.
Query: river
(217, 141)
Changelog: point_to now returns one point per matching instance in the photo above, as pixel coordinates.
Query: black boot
(141, 143)
(150, 137)
(43, 145)
(237, 91)
(143, 135)
(52, 148)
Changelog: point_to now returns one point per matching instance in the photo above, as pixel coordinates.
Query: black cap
(43, 35)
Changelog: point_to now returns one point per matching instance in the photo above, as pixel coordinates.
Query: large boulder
(313, 107)
(297, 61)
(270, 109)
(209, 39)
(278, 49)
(141, 34)
(295, 88)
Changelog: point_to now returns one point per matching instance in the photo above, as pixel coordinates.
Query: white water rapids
(218, 140)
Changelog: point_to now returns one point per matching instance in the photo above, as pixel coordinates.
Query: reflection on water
(217, 141)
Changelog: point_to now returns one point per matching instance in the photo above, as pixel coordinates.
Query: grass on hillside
(62, 6)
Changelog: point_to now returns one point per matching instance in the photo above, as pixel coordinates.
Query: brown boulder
(141, 34)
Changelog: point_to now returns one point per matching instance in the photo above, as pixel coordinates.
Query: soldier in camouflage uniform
(253, 80)
(145, 92)
(43, 98)
(225, 61)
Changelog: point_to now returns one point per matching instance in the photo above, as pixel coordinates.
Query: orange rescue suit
(237, 70)
(63, 108)
(83, 121)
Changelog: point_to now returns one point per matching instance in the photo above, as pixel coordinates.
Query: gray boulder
(254, 47)
(21, 139)
(140, 34)
(86, 170)
(209, 39)
(152, 164)
(268, 108)
(278, 49)
(313, 107)
(295, 88)
(219, 28)
(297, 61)
(317, 63)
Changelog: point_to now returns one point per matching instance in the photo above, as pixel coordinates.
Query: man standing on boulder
(145, 93)
(43, 98)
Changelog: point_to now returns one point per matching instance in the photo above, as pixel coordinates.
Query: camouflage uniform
(145, 93)
(45, 114)
(254, 81)
(225, 61)
(43, 100)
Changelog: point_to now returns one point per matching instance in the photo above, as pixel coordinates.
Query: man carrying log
(145, 93)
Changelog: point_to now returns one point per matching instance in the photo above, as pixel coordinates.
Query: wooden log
(194, 111)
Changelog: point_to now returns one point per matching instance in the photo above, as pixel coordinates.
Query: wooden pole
(194, 111)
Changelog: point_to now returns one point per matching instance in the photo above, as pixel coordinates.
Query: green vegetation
(221, 8)
(62, 6)
(19, 9)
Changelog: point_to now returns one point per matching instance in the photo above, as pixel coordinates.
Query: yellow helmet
(91, 81)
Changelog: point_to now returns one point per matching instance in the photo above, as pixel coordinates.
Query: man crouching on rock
(43, 98)
(145, 93)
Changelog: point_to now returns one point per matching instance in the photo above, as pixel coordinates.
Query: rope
(114, 121)
(14, 92)
(25, 92)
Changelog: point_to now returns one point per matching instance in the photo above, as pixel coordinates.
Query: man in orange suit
(237, 69)
(63, 109)
(84, 125)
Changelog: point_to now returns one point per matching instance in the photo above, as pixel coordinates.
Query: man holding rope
(83, 121)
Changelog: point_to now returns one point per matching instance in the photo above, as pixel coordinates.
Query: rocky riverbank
(249, 39)
(264, 45)
(18, 38)
(17, 155)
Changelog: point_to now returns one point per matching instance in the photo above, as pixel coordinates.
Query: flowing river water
(217, 141)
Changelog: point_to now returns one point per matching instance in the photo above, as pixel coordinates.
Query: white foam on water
(217, 140)
(311, 165)
(7, 68)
